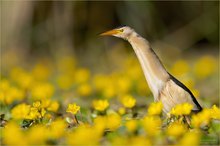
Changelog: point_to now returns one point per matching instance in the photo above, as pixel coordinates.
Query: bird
(164, 86)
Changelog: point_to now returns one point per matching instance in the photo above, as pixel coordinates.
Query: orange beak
(110, 32)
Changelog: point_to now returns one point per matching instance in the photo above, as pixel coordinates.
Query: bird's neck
(155, 74)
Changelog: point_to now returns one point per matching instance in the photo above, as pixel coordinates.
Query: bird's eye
(121, 30)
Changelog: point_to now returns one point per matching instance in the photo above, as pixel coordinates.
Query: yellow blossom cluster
(181, 109)
(38, 134)
(109, 122)
(113, 108)
(35, 111)
(10, 93)
(176, 129)
(204, 118)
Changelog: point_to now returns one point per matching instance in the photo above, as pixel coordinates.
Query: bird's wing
(175, 93)
(188, 91)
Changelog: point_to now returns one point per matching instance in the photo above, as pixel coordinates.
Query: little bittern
(164, 86)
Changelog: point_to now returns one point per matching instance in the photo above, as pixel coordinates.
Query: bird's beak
(110, 32)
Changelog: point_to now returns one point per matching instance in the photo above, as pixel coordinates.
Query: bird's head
(121, 32)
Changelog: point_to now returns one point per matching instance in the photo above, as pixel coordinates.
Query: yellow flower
(152, 125)
(121, 111)
(82, 75)
(37, 104)
(10, 93)
(2, 97)
(37, 135)
(100, 105)
(181, 109)
(201, 119)
(42, 112)
(109, 91)
(42, 91)
(54, 106)
(105, 85)
(73, 108)
(100, 82)
(204, 117)
(205, 66)
(4, 85)
(190, 138)
(34, 113)
(84, 90)
(13, 135)
(21, 77)
(20, 111)
(45, 103)
(180, 67)
(128, 101)
(123, 84)
(139, 141)
(176, 129)
(215, 112)
(57, 129)
(113, 121)
(41, 71)
(131, 125)
(13, 94)
(110, 122)
(100, 122)
(65, 81)
(155, 108)
(84, 135)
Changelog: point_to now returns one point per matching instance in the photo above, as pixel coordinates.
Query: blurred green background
(33, 30)
(45, 28)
